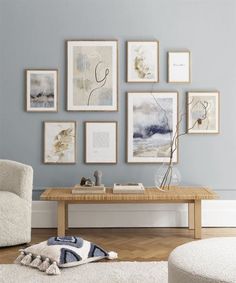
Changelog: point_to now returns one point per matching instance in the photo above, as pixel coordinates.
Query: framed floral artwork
(59, 142)
(41, 90)
(179, 67)
(92, 75)
(203, 112)
(101, 142)
(151, 126)
(143, 61)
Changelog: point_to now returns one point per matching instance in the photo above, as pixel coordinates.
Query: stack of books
(82, 190)
(130, 188)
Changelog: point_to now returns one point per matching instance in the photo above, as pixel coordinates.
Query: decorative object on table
(172, 179)
(59, 142)
(86, 182)
(98, 177)
(203, 112)
(58, 252)
(92, 75)
(16, 185)
(151, 120)
(41, 90)
(179, 67)
(130, 188)
(84, 190)
(143, 61)
(101, 142)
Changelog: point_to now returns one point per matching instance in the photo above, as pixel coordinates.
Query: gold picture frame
(203, 112)
(41, 90)
(179, 66)
(101, 147)
(141, 55)
(60, 142)
(104, 76)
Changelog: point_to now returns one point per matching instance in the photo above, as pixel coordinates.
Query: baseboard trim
(216, 213)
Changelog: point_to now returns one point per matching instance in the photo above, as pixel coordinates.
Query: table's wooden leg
(197, 219)
(191, 216)
(61, 218)
(66, 216)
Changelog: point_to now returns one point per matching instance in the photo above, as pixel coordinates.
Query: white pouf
(205, 261)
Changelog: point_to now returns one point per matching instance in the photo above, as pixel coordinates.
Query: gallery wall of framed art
(152, 117)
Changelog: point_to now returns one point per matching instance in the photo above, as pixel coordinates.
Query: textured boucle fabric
(112, 272)
(16, 181)
(205, 261)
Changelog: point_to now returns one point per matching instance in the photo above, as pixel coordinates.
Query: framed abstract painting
(151, 126)
(59, 142)
(203, 112)
(143, 61)
(41, 90)
(179, 67)
(92, 75)
(101, 142)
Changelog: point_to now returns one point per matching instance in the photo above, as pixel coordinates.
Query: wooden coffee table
(191, 195)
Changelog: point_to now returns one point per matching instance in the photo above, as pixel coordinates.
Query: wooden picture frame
(60, 142)
(179, 66)
(148, 137)
(100, 138)
(41, 90)
(203, 112)
(142, 61)
(92, 75)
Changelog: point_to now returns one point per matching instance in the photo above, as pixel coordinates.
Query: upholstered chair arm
(16, 178)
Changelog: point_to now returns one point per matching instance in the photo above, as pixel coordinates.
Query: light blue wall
(33, 34)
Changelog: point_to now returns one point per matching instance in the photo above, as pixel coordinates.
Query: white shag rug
(112, 272)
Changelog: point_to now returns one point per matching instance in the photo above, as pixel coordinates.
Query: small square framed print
(41, 90)
(143, 61)
(59, 142)
(179, 67)
(203, 112)
(92, 75)
(101, 142)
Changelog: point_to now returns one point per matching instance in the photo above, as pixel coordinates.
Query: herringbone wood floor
(136, 244)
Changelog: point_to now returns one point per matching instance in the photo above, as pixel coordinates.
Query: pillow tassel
(44, 265)
(112, 255)
(53, 269)
(27, 259)
(36, 262)
(20, 257)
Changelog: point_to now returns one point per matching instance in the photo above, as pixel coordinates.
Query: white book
(128, 188)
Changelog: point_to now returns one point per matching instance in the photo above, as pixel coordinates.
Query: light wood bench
(191, 195)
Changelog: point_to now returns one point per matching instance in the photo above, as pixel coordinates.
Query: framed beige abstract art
(92, 75)
(59, 142)
(143, 61)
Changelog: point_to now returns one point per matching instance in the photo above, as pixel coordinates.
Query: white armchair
(16, 182)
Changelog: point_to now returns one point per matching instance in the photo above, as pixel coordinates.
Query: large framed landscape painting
(152, 122)
(203, 112)
(59, 142)
(41, 90)
(143, 61)
(92, 75)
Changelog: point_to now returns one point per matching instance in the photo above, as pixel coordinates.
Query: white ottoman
(204, 261)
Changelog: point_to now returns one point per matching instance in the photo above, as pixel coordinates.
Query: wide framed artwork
(179, 67)
(41, 90)
(143, 61)
(60, 142)
(203, 112)
(92, 75)
(151, 126)
(101, 142)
